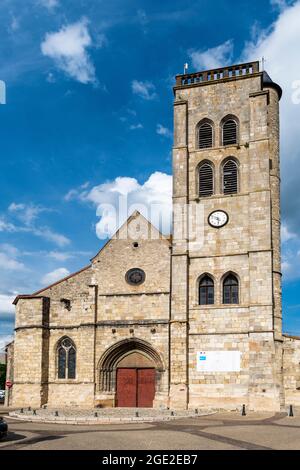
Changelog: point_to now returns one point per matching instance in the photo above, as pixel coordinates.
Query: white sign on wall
(219, 361)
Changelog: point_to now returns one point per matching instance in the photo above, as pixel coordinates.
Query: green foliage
(2, 376)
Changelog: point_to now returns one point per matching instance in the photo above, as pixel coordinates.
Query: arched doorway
(132, 371)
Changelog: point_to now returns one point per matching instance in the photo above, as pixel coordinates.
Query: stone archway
(130, 373)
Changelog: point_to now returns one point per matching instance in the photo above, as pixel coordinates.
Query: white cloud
(116, 200)
(10, 264)
(27, 213)
(54, 276)
(15, 23)
(75, 193)
(6, 304)
(286, 235)
(4, 340)
(134, 127)
(280, 46)
(164, 131)
(49, 4)
(281, 4)
(68, 48)
(51, 236)
(212, 58)
(145, 90)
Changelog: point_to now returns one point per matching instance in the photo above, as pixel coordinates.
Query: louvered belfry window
(205, 136)
(230, 131)
(230, 177)
(206, 180)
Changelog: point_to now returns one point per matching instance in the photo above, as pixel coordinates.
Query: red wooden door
(126, 388)
(135, 388)
(145, 388)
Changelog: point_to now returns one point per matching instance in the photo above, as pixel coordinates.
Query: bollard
(291, 411)
(136, 414)
(244, 410)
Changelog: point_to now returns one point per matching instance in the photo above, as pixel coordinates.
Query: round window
(135, 277)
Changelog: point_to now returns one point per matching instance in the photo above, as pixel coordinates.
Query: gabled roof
(115, 236)
(133, 216)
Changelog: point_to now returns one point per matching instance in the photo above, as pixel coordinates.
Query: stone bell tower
(226, 323)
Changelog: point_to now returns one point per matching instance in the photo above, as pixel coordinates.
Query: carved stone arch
(112, 357)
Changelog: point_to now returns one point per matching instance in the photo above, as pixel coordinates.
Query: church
(190, 320)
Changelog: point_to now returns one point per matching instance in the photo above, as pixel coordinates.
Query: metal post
(244, 410)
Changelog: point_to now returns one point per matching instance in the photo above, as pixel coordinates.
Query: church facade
(186, 321)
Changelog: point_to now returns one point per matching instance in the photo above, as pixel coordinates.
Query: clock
(218, 219)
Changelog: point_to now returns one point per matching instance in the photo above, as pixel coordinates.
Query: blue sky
(89, 103)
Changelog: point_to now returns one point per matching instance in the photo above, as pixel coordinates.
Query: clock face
(218, 219)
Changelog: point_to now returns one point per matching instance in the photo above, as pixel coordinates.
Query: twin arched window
(66, 359)
(230, 288)
(229, 132)
(230, 178)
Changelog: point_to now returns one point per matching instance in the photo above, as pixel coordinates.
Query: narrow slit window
(206, 180)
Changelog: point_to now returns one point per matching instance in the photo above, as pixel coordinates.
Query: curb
(99, 421)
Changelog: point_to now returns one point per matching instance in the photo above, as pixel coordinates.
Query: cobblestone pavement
(219, 431)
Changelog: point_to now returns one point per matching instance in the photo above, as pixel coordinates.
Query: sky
(88, 117)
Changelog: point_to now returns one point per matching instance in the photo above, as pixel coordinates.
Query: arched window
(206, 179)
(230, 131)
(206, 291)
(230, 177)
(66, 359)
(230, 289)
(205, 135)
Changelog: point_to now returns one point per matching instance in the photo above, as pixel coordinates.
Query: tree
(2, 376)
